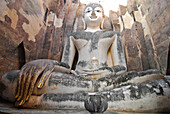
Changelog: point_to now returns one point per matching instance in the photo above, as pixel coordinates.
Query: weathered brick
(131, 5)
(116, 27)
(150, 51)
(107, 24)
(158, 38)
(149, 20)
(132, 53)
(168, 2)
(145, 6)
(79, 22)
(122, 10)
(113, 16)
(70, 19)
(163, 46)
(164, 61)
(166, 15)
(128, 20)
(138, 36)
(166, 29)
(155, 26)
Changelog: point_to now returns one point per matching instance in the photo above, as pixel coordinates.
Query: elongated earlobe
(84, 24)
(101, 24)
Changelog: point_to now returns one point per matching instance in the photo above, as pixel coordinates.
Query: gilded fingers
(34, 78)
(21, 86)
(23, 78)
(34, 73)
(47, 72)
(44, 78)
(26, 82)
(19, 81)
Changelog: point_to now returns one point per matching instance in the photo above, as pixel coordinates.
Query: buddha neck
(89, 29)
(93, 27)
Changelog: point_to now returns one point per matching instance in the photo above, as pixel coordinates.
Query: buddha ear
(84, 24)
(101, 24)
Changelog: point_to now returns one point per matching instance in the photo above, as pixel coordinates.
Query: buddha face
(93, 14)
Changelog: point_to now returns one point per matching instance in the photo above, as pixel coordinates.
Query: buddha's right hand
(37, 71)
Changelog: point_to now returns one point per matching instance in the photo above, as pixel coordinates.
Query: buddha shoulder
(89, 35)
(108, 34)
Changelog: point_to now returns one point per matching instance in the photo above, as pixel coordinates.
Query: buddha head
(93, 15)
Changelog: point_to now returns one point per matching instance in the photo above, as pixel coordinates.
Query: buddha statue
(100, 70)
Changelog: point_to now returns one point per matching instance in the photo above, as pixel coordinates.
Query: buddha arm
(118, 55)
(69, 52)
(34, 75)
(41, 69)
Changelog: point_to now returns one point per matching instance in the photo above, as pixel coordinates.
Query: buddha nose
(93, 13)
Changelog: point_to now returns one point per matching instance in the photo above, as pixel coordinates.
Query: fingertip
(27, 98)
(19, 98)
(21, 103)
(16, 96)
(40, 85)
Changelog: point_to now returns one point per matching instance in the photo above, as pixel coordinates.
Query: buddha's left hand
(35, 74)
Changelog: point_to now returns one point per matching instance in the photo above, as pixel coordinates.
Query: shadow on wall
(168, 66)
(21, 55)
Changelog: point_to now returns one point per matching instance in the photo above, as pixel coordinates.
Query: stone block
(159, 37)
(150, 51)
(122, 10)
(113, 16)
(128, 20)
(164, 61)
(121, 24)
(47, 42)
(39, 41)
(10, 34)
(168, 62)
(149, 20)
(107, 23)
(162, 5)
(131, 5)
(138, 16)
(79, 20)
(8, 61)
(30, 49)
(166, 15)
(163, 46)
(116, 27)
(166, 29)
(9, 54)
(168, 2)
(157, 8)
(132, 52)
(57, 47)
(70, 18)
(153, 10)
(162, 54)
(138, 35)
(155, 26)
(145, 6)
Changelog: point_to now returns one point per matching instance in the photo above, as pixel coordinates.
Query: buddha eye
(98, 11)
(88, 11)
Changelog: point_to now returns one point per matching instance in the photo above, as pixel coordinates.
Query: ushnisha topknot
(94, 5)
